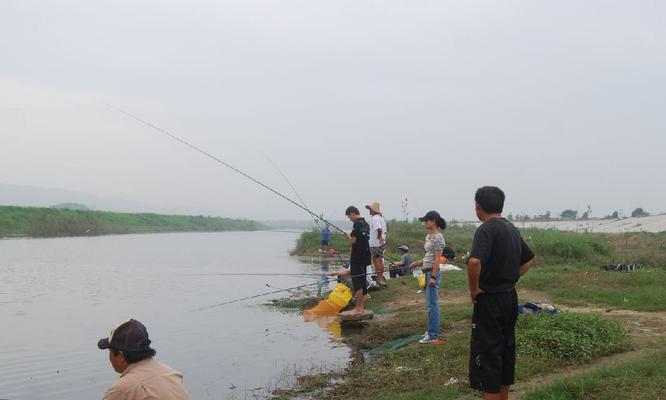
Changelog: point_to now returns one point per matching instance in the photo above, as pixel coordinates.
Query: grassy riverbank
(608, 342)
(49, 222)
(551, 246)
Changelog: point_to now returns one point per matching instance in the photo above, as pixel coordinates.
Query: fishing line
(327, 279)
(293, 189)
(252, 274)
(226, 164)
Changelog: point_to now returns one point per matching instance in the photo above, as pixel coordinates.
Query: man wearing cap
(377, 240)
(141, 377)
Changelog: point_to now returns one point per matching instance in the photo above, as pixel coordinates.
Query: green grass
(430, 393)
(568, 338)
(551, 247)
(641, 290)
(49, 222)
(644, 378)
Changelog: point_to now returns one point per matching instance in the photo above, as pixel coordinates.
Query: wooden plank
(367, 314)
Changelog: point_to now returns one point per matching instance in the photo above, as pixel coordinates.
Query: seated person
(402, 268)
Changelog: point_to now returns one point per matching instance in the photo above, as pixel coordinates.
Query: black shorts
(358, 272)
(324, 242)
(492, 361)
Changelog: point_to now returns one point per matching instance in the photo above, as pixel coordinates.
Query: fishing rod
(258, 295)
(253, 274)
(328, 280)
(226, 164)
(293, 189)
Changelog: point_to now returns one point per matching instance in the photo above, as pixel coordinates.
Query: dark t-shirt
(501, 250)
(360, 251)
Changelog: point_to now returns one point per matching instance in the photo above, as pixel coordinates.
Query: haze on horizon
(559, 103)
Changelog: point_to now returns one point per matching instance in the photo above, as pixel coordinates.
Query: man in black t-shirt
(499, 258)
(360, 257)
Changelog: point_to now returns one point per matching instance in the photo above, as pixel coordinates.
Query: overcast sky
(560, 103)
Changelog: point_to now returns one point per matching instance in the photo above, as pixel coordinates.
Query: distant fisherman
(141, 377)
(325, 237)
(499, 258)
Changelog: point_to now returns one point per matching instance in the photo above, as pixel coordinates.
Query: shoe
(431, 341)
(425, 334)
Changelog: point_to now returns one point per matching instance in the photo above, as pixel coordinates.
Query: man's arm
(473, 274)
(526, 267)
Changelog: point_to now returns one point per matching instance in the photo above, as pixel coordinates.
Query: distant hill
(33, 196)
(71, 206)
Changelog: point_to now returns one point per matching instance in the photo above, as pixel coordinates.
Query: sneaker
(431, 341)
(425, 334)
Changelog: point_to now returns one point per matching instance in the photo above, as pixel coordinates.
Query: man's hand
(349, 237)
(475, 293)
(432, 281)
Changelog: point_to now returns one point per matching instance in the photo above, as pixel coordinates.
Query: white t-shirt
(377, 222)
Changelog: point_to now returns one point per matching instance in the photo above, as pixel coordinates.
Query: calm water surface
(59, 296)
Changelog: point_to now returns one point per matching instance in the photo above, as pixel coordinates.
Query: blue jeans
(432, 303)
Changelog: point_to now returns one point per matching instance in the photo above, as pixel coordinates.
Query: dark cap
(430, 215)
(127, 336)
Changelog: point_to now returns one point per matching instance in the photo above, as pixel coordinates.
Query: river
(59, 296)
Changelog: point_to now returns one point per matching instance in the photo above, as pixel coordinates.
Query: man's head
(352, 213)
(403, 249)
(128, 343)
(374, 208)
(489, 200)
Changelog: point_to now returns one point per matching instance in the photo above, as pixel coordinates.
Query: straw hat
(374, 207)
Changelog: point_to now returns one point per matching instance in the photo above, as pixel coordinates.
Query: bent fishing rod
(226, 164)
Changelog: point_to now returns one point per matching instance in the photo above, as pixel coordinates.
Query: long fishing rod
(293, 189)
(259, 295)
(328, 280)
(252, 274)
(226, 164)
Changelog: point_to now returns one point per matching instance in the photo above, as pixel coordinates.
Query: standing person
(402, 268)
(434, 246)
(325, 236)
(141, 377)
(360, 257)
(498, 259)
(377, 240)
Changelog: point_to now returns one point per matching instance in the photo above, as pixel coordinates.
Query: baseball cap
(430, 215)
(129, 335)
(404, 248)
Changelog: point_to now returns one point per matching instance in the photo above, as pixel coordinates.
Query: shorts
(377, 251)
(492, 360)
(358, 272)
(324, 242)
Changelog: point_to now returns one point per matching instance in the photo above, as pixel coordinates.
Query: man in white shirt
(377, 240)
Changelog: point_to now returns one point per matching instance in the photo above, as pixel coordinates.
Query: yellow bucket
(341, 295)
